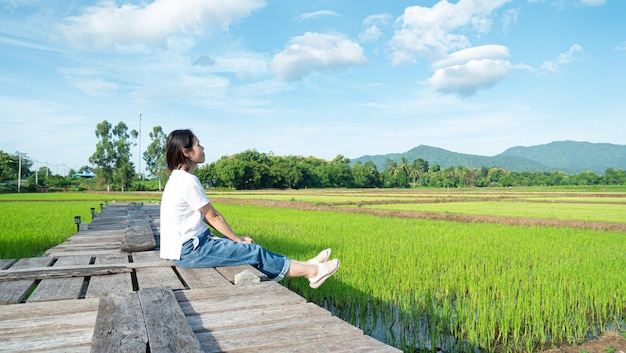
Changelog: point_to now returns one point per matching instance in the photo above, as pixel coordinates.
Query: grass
(28, 229)
(416, 284)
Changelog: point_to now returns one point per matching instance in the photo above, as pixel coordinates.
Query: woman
(187, 240)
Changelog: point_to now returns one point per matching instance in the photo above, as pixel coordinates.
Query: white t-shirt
(181, 218)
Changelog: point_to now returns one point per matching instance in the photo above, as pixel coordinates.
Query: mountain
(568, 156)
(573, 157)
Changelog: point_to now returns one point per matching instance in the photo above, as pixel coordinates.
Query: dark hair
(177, 141)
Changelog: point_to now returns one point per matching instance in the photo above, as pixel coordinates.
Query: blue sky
(311, 78)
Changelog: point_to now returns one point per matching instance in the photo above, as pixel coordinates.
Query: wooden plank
(29, 262)
(80, 251)
(32, 342)
(6, 263)
(84, 250)
(270, 288)
(87, 244)
(46, 324)
(226, 304)
(155, 276)
(61, 288)
(75, 270)
(172, 334)
(229, 272)
(43, 309)
(78, 348)
(120, 282)
(119, 325)
(352, 344)
(202, 277)
(15, 291)
(158, 277)
(256, 316)
(138, 237)
(148, 256)
(230, 304)
(61, 272)
(276, 335)
(91, 241)
(110, 227)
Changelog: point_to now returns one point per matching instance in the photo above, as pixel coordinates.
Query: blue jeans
(208, 250)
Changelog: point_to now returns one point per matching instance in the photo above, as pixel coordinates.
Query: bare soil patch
(610, 342)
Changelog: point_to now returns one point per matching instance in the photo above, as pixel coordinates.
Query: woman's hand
(246, 240)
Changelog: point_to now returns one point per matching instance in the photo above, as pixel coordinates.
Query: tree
(365, 175)
(104, 157)
(112, 156)
(155, 155)
(419, 168)
(8, 169)
(614, 176)
(337, 173)
(390, 173)
(124, 168)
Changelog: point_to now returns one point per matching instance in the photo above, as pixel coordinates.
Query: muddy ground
(610, 342)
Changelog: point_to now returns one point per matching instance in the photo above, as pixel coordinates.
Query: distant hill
(568, 156)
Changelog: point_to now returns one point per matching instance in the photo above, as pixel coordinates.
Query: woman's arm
(217, 221)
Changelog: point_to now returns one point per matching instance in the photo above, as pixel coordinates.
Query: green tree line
(251, 170)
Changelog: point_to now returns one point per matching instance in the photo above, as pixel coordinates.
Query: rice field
(433, 285)
(420, 284)
(30, 224)
(30, 228)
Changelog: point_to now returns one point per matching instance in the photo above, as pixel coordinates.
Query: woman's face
(196, 153)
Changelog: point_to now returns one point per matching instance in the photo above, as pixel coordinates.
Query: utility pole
(19, 175)
(139, 167)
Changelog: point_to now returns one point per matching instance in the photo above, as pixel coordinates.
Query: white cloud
(468, 70)
(94, 87)
(315, 14)
(475, 53)
(620, 47)
(466, 79)
(562, 59)
(106, 25)
(593, 2)
(315, 52)
(509, 18)
(373, 23)
(424, 32)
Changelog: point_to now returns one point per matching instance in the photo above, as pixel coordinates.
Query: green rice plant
(420, 284)
(28, 229)
(31, 223)
(80, 196)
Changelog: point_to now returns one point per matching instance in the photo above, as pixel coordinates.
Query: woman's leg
(302, 269)
(316, 274)
(214, 252)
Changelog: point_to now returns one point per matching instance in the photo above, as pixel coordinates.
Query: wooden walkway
(87, 295)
